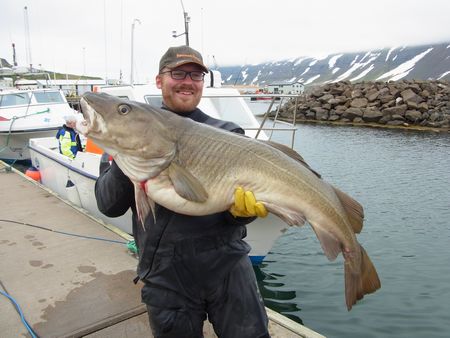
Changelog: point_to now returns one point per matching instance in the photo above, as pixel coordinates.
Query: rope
(19, 311)
(13, 119)
(63, 232)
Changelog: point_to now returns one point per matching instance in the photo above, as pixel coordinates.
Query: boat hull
(14, 145)
(56, 170)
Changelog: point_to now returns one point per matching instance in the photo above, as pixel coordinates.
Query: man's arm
(114, 191)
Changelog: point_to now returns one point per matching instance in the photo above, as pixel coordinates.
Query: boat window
(48, 97)
(155, 101)
(15, 99)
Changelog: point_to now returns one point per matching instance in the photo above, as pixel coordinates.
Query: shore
(367, 125)
(410, 105)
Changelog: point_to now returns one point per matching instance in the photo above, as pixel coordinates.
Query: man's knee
(173, 323)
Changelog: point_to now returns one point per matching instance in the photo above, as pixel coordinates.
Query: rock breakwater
(401, 103)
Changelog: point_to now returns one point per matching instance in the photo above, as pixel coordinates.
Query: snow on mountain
(390, 64)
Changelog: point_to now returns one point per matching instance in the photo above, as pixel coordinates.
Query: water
(402, 180)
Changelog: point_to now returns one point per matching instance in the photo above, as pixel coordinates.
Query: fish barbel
(192, 168)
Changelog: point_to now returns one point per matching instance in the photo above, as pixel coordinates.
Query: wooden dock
(68, 285)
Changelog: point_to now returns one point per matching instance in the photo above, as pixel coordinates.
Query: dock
(70, 274)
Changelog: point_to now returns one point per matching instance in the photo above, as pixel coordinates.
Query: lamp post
(187, 19)
(132, 49)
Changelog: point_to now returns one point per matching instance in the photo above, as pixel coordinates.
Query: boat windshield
(14, 99)
(48, 97)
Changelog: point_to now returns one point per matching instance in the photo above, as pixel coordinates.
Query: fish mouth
(90, 123)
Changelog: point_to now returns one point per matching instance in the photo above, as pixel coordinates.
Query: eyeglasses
(181, 75)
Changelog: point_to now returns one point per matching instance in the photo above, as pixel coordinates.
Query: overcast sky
(94, 36)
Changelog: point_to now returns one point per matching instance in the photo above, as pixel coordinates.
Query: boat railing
(269, 114)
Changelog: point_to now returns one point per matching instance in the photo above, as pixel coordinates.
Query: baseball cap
(181, 55)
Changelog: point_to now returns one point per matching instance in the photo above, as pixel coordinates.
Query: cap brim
(184, 62)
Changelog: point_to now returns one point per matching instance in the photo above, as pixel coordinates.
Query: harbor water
(402, 179)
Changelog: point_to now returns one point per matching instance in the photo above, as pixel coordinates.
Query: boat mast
(132, 49)
(27, 38)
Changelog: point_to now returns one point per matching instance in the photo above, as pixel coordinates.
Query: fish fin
(186, 185)
(291, 153)
(362, 282)
(289, 217)
(354, 210)
(330, 244)
(370, 280)
(143, 204)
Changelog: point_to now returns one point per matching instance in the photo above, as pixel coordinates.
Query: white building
(286, 87)
(72, 87)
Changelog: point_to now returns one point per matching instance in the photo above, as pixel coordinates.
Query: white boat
(74, 180)
(29, 113)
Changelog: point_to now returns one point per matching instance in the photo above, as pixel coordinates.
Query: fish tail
(361, 280)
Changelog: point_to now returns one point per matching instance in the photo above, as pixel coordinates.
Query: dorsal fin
(291, 153)
(353, 209)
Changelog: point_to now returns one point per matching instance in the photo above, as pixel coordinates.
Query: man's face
(181, 96)
(71, 124)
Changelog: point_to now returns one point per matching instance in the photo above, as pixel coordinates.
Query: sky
(93, 37)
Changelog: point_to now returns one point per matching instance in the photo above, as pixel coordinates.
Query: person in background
(193, 267)
(68, 138)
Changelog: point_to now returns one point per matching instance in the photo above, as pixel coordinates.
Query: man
(192, 267)
(69, 140)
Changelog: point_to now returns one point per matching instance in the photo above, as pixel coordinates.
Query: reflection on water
(277, 300)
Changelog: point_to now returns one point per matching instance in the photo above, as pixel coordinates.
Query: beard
(183, 98)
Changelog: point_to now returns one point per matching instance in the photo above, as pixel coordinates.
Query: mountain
(426, 62)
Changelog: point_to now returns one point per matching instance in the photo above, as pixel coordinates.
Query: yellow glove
(245, 205)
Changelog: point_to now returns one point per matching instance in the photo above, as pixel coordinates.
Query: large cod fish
(193, 169)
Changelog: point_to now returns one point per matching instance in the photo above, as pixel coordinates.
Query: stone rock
(403, 102)
(372, 96)
(372, 115)
(356, 94)
(321, 114)
(397, 117)
(400, 110)
(413, 115)
(334, 118)
(325, 98)
(359, 103)
(351, 113)
(410, 95)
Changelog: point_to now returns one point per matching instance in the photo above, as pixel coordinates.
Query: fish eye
(124, 109)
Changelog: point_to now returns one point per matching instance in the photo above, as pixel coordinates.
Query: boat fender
(34, 174)
(72, 193)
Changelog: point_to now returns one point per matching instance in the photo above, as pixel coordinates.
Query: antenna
(27, 38)
(187, 19)
(14, 54)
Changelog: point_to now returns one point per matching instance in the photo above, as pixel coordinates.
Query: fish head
(126, 127)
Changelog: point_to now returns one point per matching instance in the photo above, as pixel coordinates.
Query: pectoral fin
(186, 185)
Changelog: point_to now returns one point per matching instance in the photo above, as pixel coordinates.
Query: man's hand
(245, 205)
